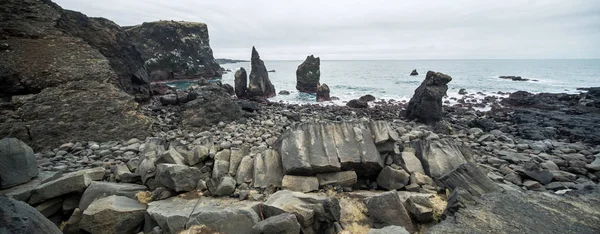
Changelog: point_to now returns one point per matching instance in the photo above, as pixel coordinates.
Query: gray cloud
(376, 29)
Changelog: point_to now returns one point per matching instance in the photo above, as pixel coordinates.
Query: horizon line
(422, 59)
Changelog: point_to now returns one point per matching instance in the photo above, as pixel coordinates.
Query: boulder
(245, 170)
(259, 83)
(284, 92)
(285, 223)
(420, 208)
(303, 184)
(49, 207)
(234, 160)
(224, 216)
(172, 214)
(343, 178)
(426, 104)
(178, 48)
(323, 93)
(308, 76)
(393, 179)
(180, 178)
(17, 163)
(211, 106)
(155, 147)
(469, 177)
(411, 162)
(367, 98)
(97, 190)
(387, 209)
(23, 192)
(439, 157)
(113, 214)
(414, 72)
(19, 217)
(383, 132)
(316, 148)
(355, 103)
(462, 92)
(267, 169)
(223, 186)
(241, 83)
(71, 182)
(389, 230)
(221, 164)
(316, 214)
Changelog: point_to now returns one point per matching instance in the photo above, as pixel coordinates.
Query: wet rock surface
(259, 84)
(426, 104)
(308, 75)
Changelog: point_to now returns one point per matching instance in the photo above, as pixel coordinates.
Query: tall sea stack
(308, 75)
(426, 104)
(260, 85)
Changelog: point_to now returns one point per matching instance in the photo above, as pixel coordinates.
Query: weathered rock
(300, 183)
(308, 76)
(367, 98)
(355, 103)
(17, 163)
(221, 166)
(323, 93)
(462, 92)
(310, 149)
(344, 178)
(389, 230)
(387, 209)
(284, 92)
(211, 106)
(281, 224)
(235, 160)
(19, 217)
(426, 104)
(49, 207)
(393, 179)
(259, 83)
(155, 147)
(172, 214)
(179, 49)
(23, 192)
(595, 165)
(420, 208)
(513, 78)
(315, 214)
(224, 216)
(113, 214)
(178, 177)
(68, 183)
(267, 169)
(223, 186)
(383, 132)
(439, 157)
(241, 83)
(411, 162)
(470, 178)
(97, 190)
(245, 170)
(414, 72)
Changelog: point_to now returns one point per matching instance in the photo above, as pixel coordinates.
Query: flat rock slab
(344, 178)
(469, 177)
(23, 192)
(282, 224)
(300, 183)
(98, 189)
(113, 214)
(71, 182)
(439, 157)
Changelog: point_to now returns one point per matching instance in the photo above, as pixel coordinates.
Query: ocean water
(391, 80)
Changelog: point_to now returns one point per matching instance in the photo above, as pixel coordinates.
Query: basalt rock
(308, 75)
(355, 103)
(241, 83)
(426, 104)
(323, 93)
(259, 85)
(180, 49)
(19, 217)
(17, 163)
(212, 104)
(414, 73)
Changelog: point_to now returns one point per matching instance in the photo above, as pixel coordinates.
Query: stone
(533, 185)
(422, 179)
(284, 92)
(414, 73)
(439, 157)
(70, 203)
(19, 217)
(594, 165)
(240, 217)
(343, 178)
(212, 104)
(245, 170)
(383, 132)
(285, 223)
(172, 214)
(221, 167)
(198, 155)
(308, 75)
(68, 183)
(355, 103)
(411, 162)
(235, 160)
(367, 98)
(267, 169)
(303, 184)
(563, 176)
(323, 93)
(316, 214)
(113, 214)
(223, 186)
(23, 192)
(241, 83)
(462, 92)
(387, 209)
(259, 83)
(420, 208)
(97, 190)
(393, 179)
(469, 177)
(389, 230)
(49, 207)
(171, 156)
(180, 178)
(17, 163)
(543, 176)
(426, 104)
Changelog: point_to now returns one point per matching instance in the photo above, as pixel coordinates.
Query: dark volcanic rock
(355, 103)
(367, 98)
(241, 83)
(17, 163)
(514, 78)
(323, 93)
(260, 85)
(212, 104)
(284, 92)
(19, 217)
(426, 104)
(469, 177)
(414, 73)
(308, 75)
(180, 49)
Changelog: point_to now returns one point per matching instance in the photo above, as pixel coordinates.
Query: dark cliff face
(175, 50)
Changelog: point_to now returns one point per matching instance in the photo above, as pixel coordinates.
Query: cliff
(175, 50)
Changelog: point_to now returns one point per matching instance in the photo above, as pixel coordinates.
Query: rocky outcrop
(175, 50)
(414, 72)
(426, 104)
(211, 105)
(113, 214)
(308, 75)
(259, 83)
(17, 163)
(469, 177)
(323, 93)
(63, 62)
(440, 157)
(19, 217)
(241, 83)
(513, 78)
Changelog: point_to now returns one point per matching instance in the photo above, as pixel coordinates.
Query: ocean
(391, 79)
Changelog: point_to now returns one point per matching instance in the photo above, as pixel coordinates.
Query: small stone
(300, 183)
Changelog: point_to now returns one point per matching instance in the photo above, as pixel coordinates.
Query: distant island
(226, 61)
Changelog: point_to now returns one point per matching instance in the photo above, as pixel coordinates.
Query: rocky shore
(97, 149)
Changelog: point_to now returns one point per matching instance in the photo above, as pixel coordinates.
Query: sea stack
(426, 104)
(241, 83)
(414, 73)
(323, 93)
(308, 75)
(260, 85)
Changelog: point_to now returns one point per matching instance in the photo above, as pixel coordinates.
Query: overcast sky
(375, 29)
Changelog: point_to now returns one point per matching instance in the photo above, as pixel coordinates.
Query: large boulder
(19, 217)
(281, 224)
(259, 84)
(426, 104)
(23, 192)
(323, 93)
(71, 182)
(393, 178)
(180, 49)
(241, 83)
(17, 163)
(387, 209)
(113, 214)
(172, 214)
(310, 149)
(180, 178)
(440, 157)
(469, 177)
(211, 106)
(267, 169)
(308, 75)
(97, 190)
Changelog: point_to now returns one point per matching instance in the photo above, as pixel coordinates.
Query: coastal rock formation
(323, 93)
(175, 50)
(17, 163)
(211, 105)
(426, 104)
(19, 217)
(241, 83)
(356, 103)
(367, 98)
(64, 73)
(308, 75)
(113, 214)
(414, 73)
(513, 78)
(259, 85)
